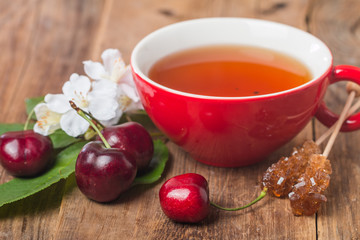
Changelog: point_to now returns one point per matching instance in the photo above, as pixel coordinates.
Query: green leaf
(19, 188)
(60, 139)
(31, 103)
(8, 127)
(157, 165)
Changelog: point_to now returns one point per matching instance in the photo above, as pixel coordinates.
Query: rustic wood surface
(43, 42)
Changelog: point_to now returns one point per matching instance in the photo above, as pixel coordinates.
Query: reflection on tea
(229, 71)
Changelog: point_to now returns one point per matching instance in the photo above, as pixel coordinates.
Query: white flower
(100, 102)
(128, 100)
(47, 120)
(127, 94)
(114, 70)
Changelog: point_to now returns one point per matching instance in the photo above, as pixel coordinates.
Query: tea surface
(229, 71)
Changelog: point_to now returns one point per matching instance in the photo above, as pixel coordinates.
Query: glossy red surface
(102, 174)
(185, 198)
(25, 153)
(325, 115)
(231, 132)
(133, 138)
(236, 131)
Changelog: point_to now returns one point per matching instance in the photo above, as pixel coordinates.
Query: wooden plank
(137, 214)
(288, 12)
(42, 43)
(337, 24)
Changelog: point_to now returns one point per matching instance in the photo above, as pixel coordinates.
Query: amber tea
(229, 71)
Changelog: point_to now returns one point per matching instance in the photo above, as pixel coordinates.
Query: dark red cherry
(25, 153)
(102, 174)
(185, 198)
(133, 138)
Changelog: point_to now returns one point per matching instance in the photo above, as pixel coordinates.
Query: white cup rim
(136, 54)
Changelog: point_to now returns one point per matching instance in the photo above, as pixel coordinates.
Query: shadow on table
(43, 201)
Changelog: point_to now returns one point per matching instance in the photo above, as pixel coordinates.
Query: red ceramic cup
(237, 131)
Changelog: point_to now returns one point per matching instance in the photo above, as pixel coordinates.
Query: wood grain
(43, 42)
(339, 218)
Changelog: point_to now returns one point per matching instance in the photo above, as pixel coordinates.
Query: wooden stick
(351, 111)
(339, 123)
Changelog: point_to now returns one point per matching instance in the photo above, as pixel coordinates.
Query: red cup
(237, 131)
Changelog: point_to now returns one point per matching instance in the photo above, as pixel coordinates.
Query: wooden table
(43, 42)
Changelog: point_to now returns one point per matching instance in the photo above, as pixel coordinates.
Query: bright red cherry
(25, 153)
(133, 138)
(102, 174)
(185, 198)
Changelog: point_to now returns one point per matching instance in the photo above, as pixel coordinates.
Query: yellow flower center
(124, 101)
(49, 118)
(81, 100)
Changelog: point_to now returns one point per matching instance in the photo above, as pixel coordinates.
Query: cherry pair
(106, 169)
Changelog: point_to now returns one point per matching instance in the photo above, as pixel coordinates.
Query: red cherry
(133, 138)
(102, 174)
(185, 198)
(25, 153)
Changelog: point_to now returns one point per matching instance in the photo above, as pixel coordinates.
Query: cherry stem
(28, 118)
(98, 124)
(142, 112)
(128, 118)
(93, 125)
(261, 196)
(157, 134)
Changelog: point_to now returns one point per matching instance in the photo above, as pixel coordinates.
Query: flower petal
(103, 88)
(95, 70)
(41, 110)
(57, 103)
(77, 85)
(114, 120)
(118, 71)
(127, 77)
(48, 121)
(129, 91)
(41, 130)
(72, 124)
(109, 57)
(46, 130)
(134, 106)
(103, 108)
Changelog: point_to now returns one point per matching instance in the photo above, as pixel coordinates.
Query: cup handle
(325, 115)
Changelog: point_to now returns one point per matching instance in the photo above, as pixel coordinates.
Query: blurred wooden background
(43, 42)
